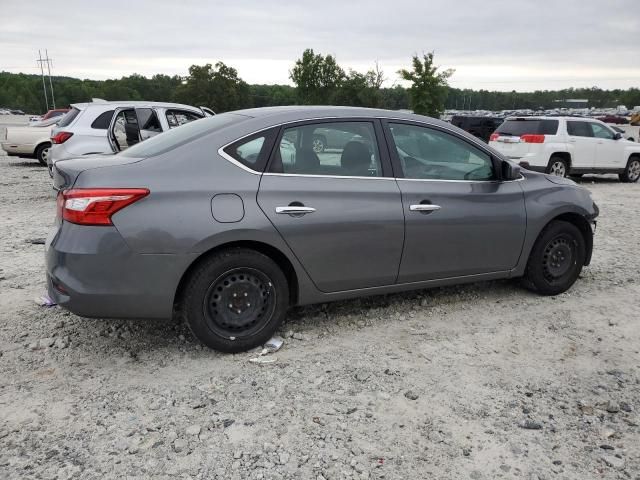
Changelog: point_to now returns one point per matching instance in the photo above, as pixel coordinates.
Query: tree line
(317, 80)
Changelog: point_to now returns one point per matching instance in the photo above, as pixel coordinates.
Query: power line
(44, 85)
(41, 62)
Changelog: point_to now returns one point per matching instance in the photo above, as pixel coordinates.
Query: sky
(520, 45)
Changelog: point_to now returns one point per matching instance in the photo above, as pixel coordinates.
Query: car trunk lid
(66, 172)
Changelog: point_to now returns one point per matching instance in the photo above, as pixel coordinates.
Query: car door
(582, 144)
(460, 219)
(339, 209)
(124, 131)
(609, 151)
(148, 122)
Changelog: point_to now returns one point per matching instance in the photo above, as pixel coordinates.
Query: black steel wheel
(235, 300)
(556, 259)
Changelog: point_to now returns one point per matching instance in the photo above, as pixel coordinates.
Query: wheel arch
(269, 250)
(566, 156)
(40, 144)
(582, 224)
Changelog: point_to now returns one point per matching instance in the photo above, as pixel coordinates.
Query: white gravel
(482, 381)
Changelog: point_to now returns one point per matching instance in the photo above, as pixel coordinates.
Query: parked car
(617, 119)
(33, 141)
(229, 222)
(109, 127)
(481, 127)
(567, 146)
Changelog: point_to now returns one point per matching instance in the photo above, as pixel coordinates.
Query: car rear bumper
(92, 272)
(13, 149)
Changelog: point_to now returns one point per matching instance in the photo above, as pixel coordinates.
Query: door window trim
(384, 147)
(397, 166)
(385, 162)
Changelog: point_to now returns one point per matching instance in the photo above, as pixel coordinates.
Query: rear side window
(253, 151)
(69, 117)
(519, 127)
(578, 129)
(103, 120)
(179, 136)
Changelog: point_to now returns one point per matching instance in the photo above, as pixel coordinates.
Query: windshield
(180, 135)
(520, 126)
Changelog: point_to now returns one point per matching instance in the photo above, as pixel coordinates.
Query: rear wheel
(556, 259)
(632, 171)
(558, 167)
(235, 300)
(42, 153)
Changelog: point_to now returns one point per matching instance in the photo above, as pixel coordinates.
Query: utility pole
(44, 85)
(53, 98)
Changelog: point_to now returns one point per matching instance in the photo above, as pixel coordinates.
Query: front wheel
(556, 259)
(631, 172)
(558, 167)
(235, 300)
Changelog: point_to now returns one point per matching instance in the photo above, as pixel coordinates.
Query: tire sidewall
(555, 159)
(535, 270)
(39, 151)
(625, 176)
(212, 268)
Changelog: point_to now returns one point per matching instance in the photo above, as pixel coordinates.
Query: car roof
(291, 113)
(131, 103)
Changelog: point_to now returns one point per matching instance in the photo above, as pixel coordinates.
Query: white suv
(109, 127)
(567, 146)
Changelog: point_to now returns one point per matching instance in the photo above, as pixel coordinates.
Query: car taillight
(95, 206)
(530, 138)
(494, 137)
(61, 137)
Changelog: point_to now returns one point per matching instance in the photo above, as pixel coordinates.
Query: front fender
(547, 198)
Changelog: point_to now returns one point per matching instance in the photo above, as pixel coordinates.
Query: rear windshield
(180, 135)
(518, 127)
(68, 117)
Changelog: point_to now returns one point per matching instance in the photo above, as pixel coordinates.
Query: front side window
(578, 129)
(175, 118)
(600, 131)
(337, 148)
(430, 154)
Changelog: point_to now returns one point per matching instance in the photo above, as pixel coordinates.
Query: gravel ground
(483, 381)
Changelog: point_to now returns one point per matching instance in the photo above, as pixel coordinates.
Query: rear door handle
(424, 207)
(294, 210)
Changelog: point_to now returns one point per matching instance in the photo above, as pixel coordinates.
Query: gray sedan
(231, 220)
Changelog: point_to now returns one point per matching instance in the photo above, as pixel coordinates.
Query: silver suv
(103, 127)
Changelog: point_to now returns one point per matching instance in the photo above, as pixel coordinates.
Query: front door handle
(424, 207)
(294, 210)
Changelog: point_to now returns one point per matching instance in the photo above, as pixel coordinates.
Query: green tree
(217, 87)
(317, 78)
(428, 91)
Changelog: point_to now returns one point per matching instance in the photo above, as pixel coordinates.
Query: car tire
(631, 172)
(319, 144)
(557, 166)
(235, 300)
(556, 260)
(42, 153)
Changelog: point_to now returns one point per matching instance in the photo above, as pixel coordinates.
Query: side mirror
(510, 171)
(617, 136)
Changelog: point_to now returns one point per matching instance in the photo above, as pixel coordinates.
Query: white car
(567, 146)
(33, 141)
(103, 127)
